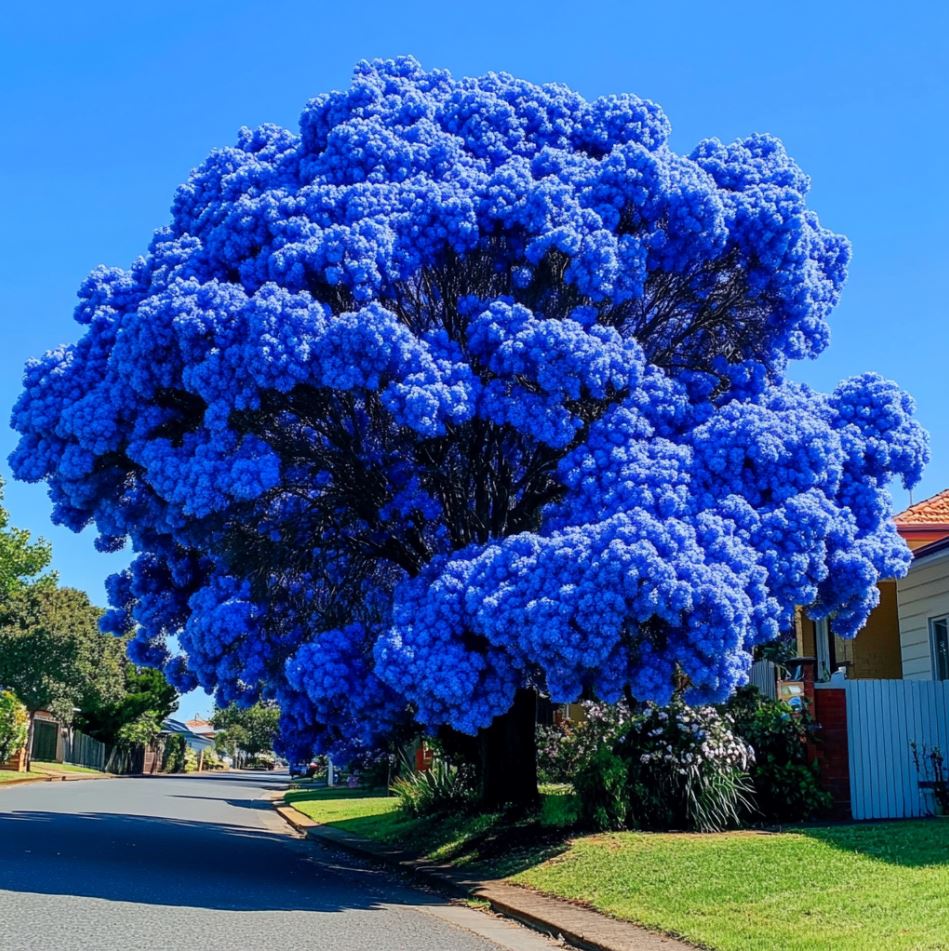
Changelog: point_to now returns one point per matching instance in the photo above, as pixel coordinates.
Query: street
(204, 862)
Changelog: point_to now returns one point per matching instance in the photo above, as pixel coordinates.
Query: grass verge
(823, 888)
(58, 769)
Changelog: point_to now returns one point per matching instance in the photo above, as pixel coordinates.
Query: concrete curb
(578, 926)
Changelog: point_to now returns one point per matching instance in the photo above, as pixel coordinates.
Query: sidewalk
(578, 926)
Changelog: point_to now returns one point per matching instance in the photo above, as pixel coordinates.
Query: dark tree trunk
(508, 756)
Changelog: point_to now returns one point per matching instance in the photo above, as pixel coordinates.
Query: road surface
(200, 863)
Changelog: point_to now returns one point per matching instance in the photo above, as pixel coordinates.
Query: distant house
(894, 642)
(201, 728)
(195, 741)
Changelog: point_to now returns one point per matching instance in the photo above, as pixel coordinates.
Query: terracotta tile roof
(931, 511)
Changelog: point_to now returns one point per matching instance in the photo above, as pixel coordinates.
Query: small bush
(786, 787)
(191, 760)
(14, 725)
(564, 747)
(443, 788)
(373, 769)
(173, 757)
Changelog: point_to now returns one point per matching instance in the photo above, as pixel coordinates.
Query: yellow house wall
(875, 652)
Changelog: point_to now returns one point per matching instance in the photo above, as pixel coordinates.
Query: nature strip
(578, 926)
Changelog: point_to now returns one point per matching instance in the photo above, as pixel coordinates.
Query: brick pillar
(827, 708)
(833, 755)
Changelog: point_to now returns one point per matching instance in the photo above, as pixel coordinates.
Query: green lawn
(57, 769)
(839, 888)
(9, 776)
(842, 887)
(461, 838)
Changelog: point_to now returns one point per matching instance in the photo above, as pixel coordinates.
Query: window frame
(940, 659)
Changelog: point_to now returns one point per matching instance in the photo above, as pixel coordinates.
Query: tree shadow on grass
(914, 843)
(485, 846)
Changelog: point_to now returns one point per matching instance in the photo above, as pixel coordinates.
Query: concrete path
(201, 863)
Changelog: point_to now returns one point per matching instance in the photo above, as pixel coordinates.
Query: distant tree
(145, 692)
(140, 731)
(53, 655)
(251, 730)
(20, 557)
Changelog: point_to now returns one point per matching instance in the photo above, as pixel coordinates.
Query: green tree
(249, 730)
(145, 693)
(53, 655)
(14, 722)
(21, 558)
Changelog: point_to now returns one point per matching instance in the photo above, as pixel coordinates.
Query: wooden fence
(883, 718)
(82, 750)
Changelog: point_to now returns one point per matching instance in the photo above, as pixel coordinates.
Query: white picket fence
(883, 718)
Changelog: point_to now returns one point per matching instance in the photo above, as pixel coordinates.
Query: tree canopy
(252, 730)
(146, 696)
(21, 558)
(53, 655)
(471, 385)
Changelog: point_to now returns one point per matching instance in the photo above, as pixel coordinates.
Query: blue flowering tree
(471, 389)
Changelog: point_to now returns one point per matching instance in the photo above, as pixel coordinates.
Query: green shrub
(373, 769)
(786, 787)
(564, 747)
(673, 767)
(603, 790)
(173, 757)
(191, 760)
(443, 788)
(14, 725)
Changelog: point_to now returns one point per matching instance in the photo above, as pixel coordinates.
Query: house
(886, 644)
(924, 613)
(201, 728)
(194, 741)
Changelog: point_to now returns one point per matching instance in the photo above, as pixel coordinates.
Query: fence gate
(45, 740)
(883, 718)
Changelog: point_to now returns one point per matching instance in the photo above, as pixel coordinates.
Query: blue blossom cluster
(471, 384)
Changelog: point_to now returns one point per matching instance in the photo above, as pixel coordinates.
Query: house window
(939, 634)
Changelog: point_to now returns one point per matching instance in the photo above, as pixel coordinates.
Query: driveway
(203, 862)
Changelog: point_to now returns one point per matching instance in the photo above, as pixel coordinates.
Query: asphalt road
(204, 862)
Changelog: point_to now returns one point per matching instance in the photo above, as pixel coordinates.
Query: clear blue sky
(107, 106)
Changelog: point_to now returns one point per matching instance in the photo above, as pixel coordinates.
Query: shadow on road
(166, 861)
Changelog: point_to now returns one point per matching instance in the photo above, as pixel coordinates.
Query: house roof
(201, 727)
(169, 725)
(930, 513)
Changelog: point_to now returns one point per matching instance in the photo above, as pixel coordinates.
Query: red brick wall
(830, 712)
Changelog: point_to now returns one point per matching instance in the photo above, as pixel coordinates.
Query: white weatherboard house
(923, 597)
